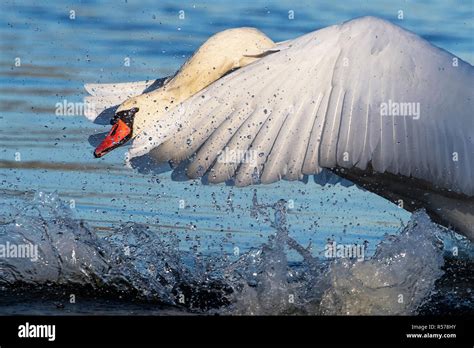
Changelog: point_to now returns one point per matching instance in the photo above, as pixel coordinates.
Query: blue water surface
(62, 45)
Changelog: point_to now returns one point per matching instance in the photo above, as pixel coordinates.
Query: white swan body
(362, 97)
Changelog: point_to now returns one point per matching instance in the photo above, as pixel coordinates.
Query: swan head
(222, 53)
(121, 132)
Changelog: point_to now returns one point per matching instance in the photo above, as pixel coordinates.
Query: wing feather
(339, 79)
(106, 95)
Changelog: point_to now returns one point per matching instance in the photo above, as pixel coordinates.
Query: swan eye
(126, 116)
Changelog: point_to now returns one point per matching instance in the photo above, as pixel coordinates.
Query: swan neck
(196, 75)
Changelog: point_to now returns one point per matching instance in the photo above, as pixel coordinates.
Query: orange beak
(118, 135)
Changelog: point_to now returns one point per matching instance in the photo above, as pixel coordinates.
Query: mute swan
(366, 99)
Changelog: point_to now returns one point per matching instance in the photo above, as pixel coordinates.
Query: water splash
(67, 251)
(139, 264)
(396, 280)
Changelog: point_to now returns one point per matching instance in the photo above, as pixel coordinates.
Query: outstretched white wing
(358, 94)
(106, 95)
